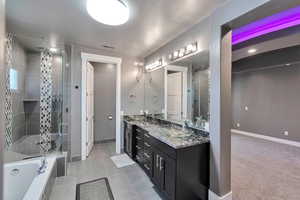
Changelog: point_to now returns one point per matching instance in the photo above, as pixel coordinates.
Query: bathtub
(22, 181)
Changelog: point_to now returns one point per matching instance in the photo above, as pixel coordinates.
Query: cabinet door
(156, 170)
(167, 168)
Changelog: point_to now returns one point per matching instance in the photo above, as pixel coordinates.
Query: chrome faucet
(43, 165)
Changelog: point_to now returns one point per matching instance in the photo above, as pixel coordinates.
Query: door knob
(109, 117)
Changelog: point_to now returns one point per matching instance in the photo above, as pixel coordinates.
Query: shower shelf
(30, 100)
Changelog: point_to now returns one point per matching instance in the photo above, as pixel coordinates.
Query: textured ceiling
(152, 23)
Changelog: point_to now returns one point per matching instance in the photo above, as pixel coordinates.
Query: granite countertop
(173, 137)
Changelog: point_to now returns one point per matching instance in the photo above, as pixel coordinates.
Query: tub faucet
(43, 165)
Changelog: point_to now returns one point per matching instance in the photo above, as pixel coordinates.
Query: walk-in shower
(34, 97)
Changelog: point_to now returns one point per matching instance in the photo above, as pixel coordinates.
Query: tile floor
(261, 170)
(127, 183)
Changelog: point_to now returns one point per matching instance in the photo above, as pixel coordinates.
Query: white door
(90, 107)
(174, 97)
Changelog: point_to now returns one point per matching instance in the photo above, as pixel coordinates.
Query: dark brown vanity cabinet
(178, 174)
(164, 174)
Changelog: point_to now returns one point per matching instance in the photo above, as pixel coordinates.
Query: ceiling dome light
(109, 12)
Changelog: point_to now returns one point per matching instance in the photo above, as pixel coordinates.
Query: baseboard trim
(75, 158)
(105, 141)
(269, 138)
(213, 196)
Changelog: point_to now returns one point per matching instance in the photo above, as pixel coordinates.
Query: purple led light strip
(267, 25)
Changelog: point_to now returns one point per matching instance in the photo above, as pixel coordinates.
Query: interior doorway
(112, 119)
(90, 116)
(176, 92)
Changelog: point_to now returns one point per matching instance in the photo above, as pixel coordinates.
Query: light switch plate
(238, 125)
(286, 133)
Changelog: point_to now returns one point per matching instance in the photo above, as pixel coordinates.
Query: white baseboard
(213, 196)
(269, 138)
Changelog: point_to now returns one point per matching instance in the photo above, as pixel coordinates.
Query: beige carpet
(263, 170)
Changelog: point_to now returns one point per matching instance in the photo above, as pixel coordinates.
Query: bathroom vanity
(176, 161)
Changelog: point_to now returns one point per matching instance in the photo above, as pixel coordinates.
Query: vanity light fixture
(155, 65)
(190, 48)
(109, 12)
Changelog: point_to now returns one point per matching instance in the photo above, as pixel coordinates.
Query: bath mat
(122, 160)
(98, 189)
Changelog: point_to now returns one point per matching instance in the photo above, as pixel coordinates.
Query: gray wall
(2, 89)
(104, 101)
(129, 86)
(19, 64)
(271, 94)
(209, 36)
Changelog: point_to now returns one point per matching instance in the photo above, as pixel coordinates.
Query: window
(13, 79)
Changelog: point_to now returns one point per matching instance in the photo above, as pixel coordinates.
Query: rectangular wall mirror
(179, 92)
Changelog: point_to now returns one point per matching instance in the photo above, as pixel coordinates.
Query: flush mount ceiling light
(109, 12)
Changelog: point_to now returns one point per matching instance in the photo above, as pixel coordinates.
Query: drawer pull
(146, 166)
(138, 138)
(147, 155)
(148, 136)
(139, 148)
(138, 130)
(147, 145)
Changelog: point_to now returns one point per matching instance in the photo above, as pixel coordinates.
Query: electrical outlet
(286, 133)
(246, 108)
(238, 125)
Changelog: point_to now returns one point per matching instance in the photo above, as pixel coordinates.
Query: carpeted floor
(263, 170)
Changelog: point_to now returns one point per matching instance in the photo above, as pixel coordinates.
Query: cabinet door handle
(160, 163)
(147, 155)
(147, 145)
(157, 161)
(147, 135)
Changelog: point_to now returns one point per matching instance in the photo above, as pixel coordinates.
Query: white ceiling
(152, 23)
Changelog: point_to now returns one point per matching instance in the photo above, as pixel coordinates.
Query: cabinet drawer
(148, 155)
(148, 168)
(139, 143)
(147, 145)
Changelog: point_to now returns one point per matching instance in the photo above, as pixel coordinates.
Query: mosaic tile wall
(8, 97)
(45, 101)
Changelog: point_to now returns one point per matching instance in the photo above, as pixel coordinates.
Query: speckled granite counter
(173, 137)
